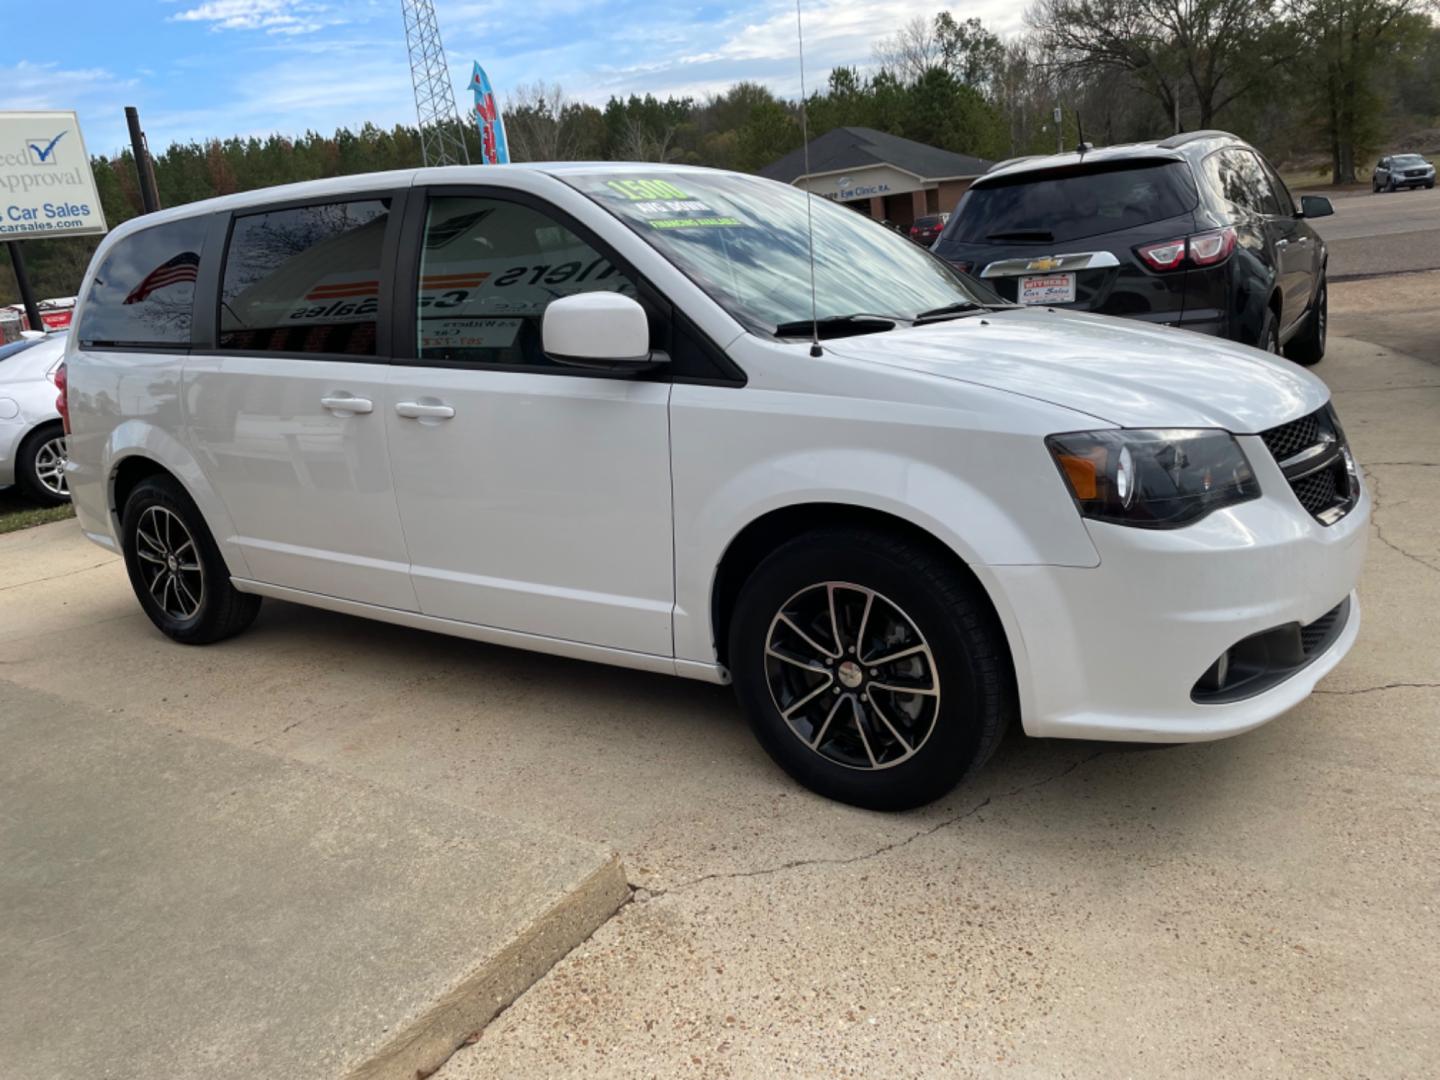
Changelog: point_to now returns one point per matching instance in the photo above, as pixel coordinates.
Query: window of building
(305, 279)
(143, 294)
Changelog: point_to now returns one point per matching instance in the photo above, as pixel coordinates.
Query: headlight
(1159, 479)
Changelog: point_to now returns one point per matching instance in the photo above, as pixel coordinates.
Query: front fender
(965, 518)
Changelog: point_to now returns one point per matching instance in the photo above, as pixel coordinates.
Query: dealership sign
(46, 186)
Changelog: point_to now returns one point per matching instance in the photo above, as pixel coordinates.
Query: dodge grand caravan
(578, 409)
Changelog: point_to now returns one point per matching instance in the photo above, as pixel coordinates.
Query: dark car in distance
(927, 228)
(1396, 171)
(1195, 231)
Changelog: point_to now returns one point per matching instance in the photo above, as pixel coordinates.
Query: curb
(427, 1042)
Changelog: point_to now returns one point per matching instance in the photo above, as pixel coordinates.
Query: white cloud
(272, 16)
(27, 85)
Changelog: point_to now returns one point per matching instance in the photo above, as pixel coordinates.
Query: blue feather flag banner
(493, 148)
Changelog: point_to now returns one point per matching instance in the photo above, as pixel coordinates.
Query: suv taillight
(62, 400)
(1200, 249)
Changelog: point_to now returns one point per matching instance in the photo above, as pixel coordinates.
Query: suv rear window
(143, 294)
(1067, 204)
(931, 220)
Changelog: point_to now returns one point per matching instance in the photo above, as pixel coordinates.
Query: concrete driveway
(1260, 906)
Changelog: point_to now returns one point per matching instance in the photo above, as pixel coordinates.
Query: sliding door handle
(415, 410)
(345, 405)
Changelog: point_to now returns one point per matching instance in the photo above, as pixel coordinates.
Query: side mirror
(598, 330)
(1312, 206)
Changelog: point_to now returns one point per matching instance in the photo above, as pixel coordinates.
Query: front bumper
(1114, 651)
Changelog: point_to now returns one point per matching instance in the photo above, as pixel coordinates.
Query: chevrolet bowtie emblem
(1050, 262)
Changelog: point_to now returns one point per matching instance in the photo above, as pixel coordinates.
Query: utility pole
(22, 282)
(149, 196)
(1059, 132)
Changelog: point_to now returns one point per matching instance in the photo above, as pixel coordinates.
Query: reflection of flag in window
(183, 267)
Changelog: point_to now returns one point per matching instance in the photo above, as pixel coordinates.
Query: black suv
(1196, 231)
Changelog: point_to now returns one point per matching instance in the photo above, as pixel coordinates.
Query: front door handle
(414, 410)
(345, 405)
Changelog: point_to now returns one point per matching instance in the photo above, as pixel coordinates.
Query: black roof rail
(1190, 136)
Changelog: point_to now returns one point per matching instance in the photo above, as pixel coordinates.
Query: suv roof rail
(1190, 136)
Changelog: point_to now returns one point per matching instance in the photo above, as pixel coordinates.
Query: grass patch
(18, 514)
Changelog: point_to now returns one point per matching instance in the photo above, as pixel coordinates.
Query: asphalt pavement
(1259, 906)
(1391, 232)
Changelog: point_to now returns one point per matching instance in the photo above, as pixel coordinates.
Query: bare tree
(911, 51)
(640, 143)
(1209, 51)
(537, 124)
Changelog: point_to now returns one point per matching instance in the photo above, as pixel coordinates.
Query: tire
(1308, 346)
(40, 466)
(175, 568)
(1269, 339)
(914, 747)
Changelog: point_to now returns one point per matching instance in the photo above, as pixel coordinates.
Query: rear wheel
(176, 570)
(872, 670)
(40, 466)
(1308, 346)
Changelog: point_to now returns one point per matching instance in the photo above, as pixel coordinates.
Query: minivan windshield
(744, 241)
(1056, 206)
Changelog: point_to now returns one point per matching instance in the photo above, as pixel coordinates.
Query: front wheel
(871, 668)
(176, 569)
(1308, 346)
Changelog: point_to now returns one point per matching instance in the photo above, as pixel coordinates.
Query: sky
(200, 69)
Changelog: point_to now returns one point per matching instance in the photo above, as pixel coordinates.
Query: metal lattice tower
(442, 136)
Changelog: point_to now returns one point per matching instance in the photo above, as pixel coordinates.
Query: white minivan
(577, 408)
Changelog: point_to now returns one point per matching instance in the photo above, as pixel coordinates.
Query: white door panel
(541, 505)
(297, 450)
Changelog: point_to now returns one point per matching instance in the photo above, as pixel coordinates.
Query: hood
(1127, 373)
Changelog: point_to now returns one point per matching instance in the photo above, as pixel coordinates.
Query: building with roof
(878, 174)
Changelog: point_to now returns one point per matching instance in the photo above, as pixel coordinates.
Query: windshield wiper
(949, 311)
(1037, 235)
(860, 322)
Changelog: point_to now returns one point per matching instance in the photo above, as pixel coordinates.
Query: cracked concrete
(883, 849)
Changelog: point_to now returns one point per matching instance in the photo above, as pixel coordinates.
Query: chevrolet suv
(599, 411)
(1195, 231)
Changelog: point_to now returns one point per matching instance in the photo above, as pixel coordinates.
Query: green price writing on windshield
(636, 190)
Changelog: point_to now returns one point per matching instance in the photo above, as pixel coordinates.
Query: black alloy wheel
(872, 669)
(176, 569)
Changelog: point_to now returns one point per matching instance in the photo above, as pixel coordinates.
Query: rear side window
(1239, 179)
(1064, 205)
(143, 293)
(305, 279)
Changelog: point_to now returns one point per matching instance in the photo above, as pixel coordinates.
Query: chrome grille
(1313, 455)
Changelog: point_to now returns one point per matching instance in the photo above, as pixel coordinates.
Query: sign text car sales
(46, 186)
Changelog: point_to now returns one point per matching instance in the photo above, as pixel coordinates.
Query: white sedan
(32, 441)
